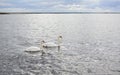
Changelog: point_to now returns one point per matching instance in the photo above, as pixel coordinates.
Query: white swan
(34, 49)
(52, 44)
(43, 45)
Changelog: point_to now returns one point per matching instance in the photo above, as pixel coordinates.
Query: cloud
(14, 10)
(43, 4)
(80, 8)
(5, 4)
(60, 5)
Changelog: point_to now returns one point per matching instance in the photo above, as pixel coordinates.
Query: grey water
(91, 44)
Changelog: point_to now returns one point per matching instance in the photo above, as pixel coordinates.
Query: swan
(43, 45)
(34, 49)
(52, 44)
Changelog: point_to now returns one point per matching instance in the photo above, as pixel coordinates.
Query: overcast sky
(59, 5)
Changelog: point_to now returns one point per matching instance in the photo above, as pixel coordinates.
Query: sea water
(90, 45)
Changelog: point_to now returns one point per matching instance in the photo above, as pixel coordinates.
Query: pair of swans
(43, 45)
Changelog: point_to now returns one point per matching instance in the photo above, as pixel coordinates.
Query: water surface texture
(91, 44)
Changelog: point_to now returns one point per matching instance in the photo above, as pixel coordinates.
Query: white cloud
(5, 4)
(14, 10)
(43, 3)
(96, 1)
(79, 8)
(82, 6)
(57, 5)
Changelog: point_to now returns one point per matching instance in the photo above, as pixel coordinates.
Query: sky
(59, 5)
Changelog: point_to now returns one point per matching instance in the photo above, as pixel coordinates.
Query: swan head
(60, 37)
(42, 41)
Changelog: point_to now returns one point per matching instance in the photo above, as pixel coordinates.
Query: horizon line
(59, 12)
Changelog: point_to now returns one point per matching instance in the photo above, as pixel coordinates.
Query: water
(91, 44)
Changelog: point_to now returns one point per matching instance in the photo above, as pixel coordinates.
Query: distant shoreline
(59, 12)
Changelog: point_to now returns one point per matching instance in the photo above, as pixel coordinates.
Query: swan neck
(59, 41)
(41, 45)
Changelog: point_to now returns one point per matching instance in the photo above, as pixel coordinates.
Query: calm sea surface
(91, 44)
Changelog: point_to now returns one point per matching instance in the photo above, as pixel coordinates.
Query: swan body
(33, 49)
(50, 45)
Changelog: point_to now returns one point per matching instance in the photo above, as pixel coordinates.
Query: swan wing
(32, 49)
(50, 44)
